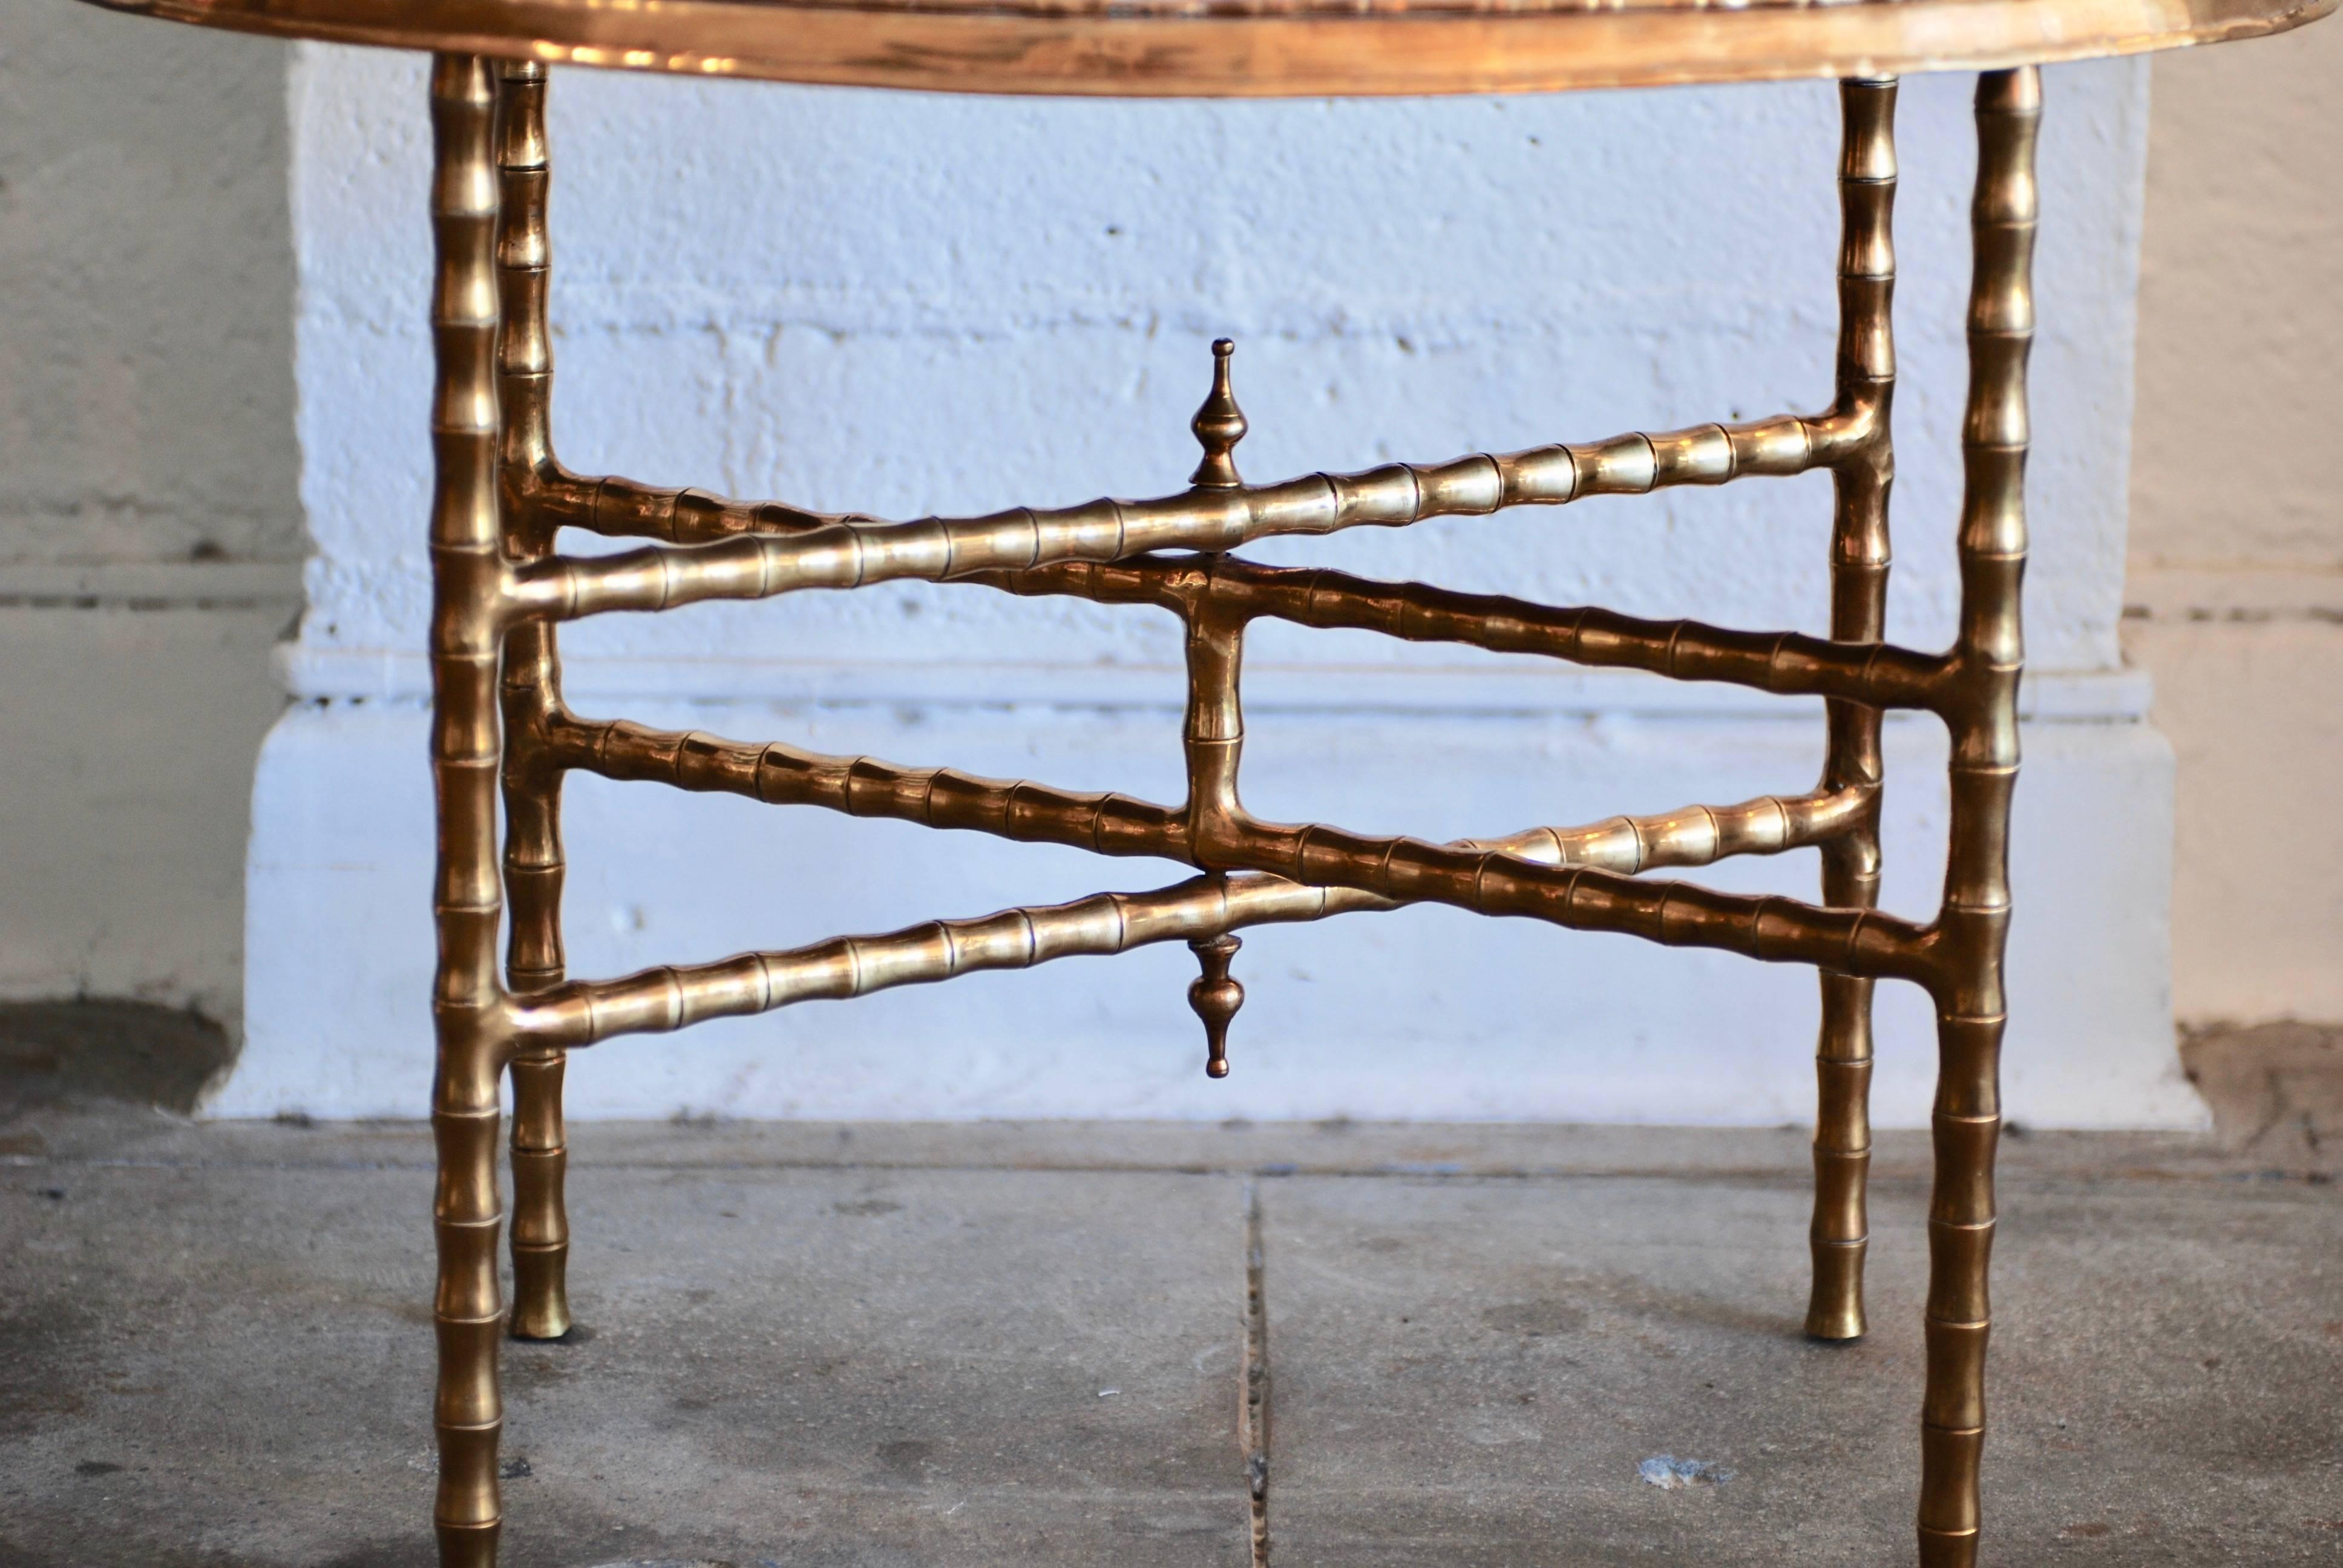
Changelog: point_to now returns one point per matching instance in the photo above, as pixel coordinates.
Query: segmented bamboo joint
(1839, 1235)
(467, 540)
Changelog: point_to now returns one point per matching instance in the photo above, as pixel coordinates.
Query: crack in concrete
(1252, 1413)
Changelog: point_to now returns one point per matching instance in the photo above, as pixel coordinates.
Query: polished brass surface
(1127, 48)
(1973, 924)
(1215, 997)
(533, 861)
(470, 1006)
(501, 588)
(1219, 426)
(1840, 1233)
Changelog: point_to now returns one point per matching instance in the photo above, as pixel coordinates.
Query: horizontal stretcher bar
(659, 1000)
(723, 549)
(1556, 875)
(1111, 824)
(1628, 465)
(1787, 664)
(581, 1012)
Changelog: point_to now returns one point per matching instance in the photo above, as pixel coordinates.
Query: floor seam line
(1253, 1411)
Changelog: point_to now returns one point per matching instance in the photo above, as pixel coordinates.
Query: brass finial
(1214, 995)
(1219, 424)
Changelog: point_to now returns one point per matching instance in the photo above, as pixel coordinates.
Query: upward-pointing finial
(1219, 424)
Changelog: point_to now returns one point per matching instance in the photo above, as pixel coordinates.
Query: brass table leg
(468, 895)
(1858, 566)
(531, 696)
(1982, 713)
(500, 589)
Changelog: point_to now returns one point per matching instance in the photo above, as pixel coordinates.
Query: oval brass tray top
(1261, 48)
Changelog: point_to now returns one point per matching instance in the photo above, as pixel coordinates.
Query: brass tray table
(501, 733)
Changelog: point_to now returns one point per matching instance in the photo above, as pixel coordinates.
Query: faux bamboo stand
(502, 735)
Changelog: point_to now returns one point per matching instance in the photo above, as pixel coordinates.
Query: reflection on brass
(500, 720)
(471, 1008)
(1973, 924)
(532, 686)
(1215, 996)
(1858, 564)
(1263, 48)
(1219, 426)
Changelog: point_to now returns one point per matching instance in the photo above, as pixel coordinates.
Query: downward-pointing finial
(1219, 424)
(1213, 994)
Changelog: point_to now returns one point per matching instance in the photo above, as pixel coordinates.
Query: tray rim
(1130, 50)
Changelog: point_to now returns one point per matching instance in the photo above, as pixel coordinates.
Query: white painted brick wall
(905, 303)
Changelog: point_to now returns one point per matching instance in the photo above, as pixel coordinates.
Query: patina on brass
(1263, 48)
(502, 591)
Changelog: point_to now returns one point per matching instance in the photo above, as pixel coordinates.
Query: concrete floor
(885, 1344)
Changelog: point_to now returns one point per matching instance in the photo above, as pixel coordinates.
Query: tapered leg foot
(1834, 1310)
(540, 1226)
(540, 1294)
(468, 1545)
(1945, 1549)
